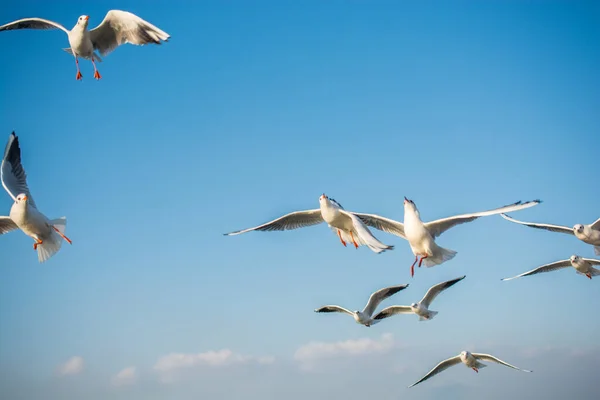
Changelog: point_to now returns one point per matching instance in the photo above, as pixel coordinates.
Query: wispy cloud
(72, 366)
(127, 376)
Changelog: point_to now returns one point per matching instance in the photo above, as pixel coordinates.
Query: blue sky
(252, 110)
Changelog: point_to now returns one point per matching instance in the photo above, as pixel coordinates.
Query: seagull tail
(597, 250)
(480, 365)
(441, 255)
(431, 315)
(52, 243)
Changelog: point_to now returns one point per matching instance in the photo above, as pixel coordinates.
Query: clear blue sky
(252, 110)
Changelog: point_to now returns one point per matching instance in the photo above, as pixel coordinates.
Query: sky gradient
(253, 110)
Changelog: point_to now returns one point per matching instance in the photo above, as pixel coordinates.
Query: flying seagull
(365, 317)
(346, 224)
(24, 215)
(117, 28)
(589, 234)
(421, 236)
(471, 360)
(422, 307)
(583, 266)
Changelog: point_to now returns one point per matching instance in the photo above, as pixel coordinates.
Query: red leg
(353, 241)
(96, 73)
(412, 267)
(342, 240)
(63, 236)
(422, 258)
(589, 275)
(79, 76)
(476, 370)
(38, 242)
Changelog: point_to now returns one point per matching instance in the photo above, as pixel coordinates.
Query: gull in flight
(471, 360)
(365, 317)
(583, 266)
(421, 235)
(589, 234)
(346, 224)
(117, 28)
(422, 307)
(24, 215)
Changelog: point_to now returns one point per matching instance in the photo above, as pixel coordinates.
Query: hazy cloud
(72, 366)
(127, 376)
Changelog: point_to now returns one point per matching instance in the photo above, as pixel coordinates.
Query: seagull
(583, 266)
(589, 234)
(365, 317)
(117, 28)
(471, 360)
(421, 236)
(422, 307)
(346, 224)
(24, 215)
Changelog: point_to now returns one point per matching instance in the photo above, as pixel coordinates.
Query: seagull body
(421, 235)
(471, 360)
(583, 266)
(365, 317)
(47, 234)
(347, 225)
(589, 234)
(117, 28)
(422, 307)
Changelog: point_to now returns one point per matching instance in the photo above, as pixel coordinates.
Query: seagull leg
(422, 258)
(340, 235)
(96, 73)
(61, 234)
(475, 369)
(353, 241)
(79, 76)
(589, 275)
(37, 243)
(412, 267)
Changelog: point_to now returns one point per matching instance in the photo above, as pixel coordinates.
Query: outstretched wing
(393, 310)
(329, 309)
(548, 227)
(487, 357)
(12, 174)
(376, 298)
(544, 268)
(295, 220)
(437, 227)
(32, 23)
(596, 225)
(120, 27)
(439, 368)
(7, 225)
(383, 224)
(437, 289)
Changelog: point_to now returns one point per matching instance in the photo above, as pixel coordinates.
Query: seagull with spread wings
(117, 28)
(422, 307)
(583, 266)
(346, 224)
(421, 236)
(24, 215)
(365, 317)
(471, 360)
(589, 234)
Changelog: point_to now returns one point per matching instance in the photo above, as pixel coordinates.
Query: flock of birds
(120, 27)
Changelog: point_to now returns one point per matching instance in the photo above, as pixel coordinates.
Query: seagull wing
(328, 309)
(120, 27)
(487, 357)
(383, 224)
(376, 298)
(439, 368)
(295, 220)
(7, 225)
(437, 289)
(544, 268)
(364, 234)
(592, 261)
(437, 227)
(548, 227)
(393, 310)
(596, 225)
(12, 174)
(32, 23)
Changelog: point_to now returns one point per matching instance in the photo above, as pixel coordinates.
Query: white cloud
(127, 376)
(72, 366)
(308, 354)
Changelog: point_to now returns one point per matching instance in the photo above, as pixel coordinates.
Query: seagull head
(409, 205)
(83, 20)
(323, 198)
(414, 305)
(578, 228)
(21, 199)
(574, 258)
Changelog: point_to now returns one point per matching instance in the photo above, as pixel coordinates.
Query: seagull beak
(87, 17)
(405, 199)
(24, 198)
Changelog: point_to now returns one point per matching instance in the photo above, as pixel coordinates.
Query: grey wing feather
(544, 268)
(329, 309)
(32, 23)
(393, 310)
(488, 357)
(295, 220)
(12, 174)
(7, 225)
(376, 298)
(383, 224)
(596, 225)
(439, 368)
(592, 261)
(548, 227)
(437, 227)
(120, 27)
(437, 289)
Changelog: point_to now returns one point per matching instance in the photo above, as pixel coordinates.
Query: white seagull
(24, 215)
(471, 360)
(422, 307)
(421, 236)
(365, 317)
(589, 234)
(117, 28)
(346, 224)
(583, 266)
